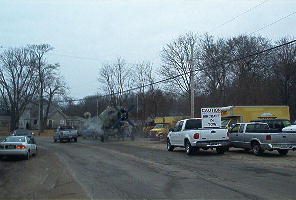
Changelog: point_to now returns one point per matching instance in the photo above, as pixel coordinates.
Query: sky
(86, 34)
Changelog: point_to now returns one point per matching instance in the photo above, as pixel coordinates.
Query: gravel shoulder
(41, 177)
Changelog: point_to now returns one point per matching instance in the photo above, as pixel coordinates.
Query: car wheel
(169, 146)
(188, 148)
(75, 139)
(220, 150)
(257, 151)
(283, 152)
(27, 156)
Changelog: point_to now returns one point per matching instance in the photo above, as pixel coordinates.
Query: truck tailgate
(214, 134)
(283, 138)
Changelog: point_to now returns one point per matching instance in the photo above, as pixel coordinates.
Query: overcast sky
(135, 30)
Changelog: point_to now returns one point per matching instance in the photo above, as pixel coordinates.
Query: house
(30, 120)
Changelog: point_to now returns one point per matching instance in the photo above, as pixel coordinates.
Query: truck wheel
(75, 139)
(283, 152)
(220, 150)
(169, 146)
(188, 148)
(257, 151)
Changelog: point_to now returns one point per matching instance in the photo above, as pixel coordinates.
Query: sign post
(211, 117)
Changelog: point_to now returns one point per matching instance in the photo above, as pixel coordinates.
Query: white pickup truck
(189, 133)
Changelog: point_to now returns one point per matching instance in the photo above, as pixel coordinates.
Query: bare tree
(39, 52)
(248, 72)
(284, 70)
(143, 76)
(213, 66)
(180, 57)
(107, 80)
(116, 79)
(54, 85)
(17, 81)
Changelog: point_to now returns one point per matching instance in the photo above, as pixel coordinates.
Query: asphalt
(145, 170)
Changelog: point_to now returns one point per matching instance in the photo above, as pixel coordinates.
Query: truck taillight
(196, 136)
(268, 137)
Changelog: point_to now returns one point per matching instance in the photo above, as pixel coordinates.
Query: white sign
(211, 117)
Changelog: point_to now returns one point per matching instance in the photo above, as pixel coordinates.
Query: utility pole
(191, 83)
(191, 92)
(97, 107)
(137, 107)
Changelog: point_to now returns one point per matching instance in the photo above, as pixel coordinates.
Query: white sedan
(17, 146)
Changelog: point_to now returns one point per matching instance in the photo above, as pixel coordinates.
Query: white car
(18, 146)
(288, 129)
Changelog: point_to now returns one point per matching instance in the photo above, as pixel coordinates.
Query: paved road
(143, 170)
(122, 170)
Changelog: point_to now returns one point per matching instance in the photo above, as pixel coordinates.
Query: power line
(219, 26)
(77, 57)
(268, 25)
(237, 16)
(185, 73)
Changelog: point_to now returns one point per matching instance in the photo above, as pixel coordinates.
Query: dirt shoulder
(41, 177)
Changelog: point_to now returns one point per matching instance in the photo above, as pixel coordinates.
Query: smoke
(92, 127)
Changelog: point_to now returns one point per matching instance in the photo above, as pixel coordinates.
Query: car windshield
(160, 126)
(14, 139)
(21, 132)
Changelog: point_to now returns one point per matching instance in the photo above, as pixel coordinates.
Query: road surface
(145, 170)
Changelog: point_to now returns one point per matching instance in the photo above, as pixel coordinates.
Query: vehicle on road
(189, 134)
(159, 131)
(65, 133)
(258, 137)
(18, 146)
(23, 132)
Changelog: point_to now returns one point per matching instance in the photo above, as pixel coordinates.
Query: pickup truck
(65, 133)
(258, 137)
(189, 133)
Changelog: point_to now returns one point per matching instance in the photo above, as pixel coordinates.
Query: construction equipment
(114, 121)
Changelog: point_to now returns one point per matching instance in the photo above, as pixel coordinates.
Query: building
(29, 118)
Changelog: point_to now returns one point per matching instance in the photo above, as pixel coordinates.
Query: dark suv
(275, 124)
